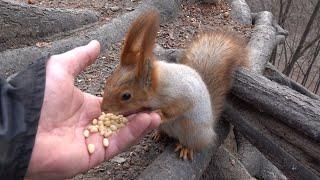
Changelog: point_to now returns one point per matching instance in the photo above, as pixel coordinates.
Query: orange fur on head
(136, 74)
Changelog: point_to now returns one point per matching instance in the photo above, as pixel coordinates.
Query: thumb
(77, 59)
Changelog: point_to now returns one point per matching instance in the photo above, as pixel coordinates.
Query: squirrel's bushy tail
(216, 55)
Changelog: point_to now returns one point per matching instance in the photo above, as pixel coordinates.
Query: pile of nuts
(105, 125)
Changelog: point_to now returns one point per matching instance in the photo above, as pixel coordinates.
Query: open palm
(60, 149)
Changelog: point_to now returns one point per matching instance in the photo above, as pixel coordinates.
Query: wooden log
(273, 74)
(254, 161)
(169, 55)
(266, 35)
(240, 11)
(300, 146)
(224, 165)
(298, 111)
(169, 166)
(12, 61)
(21, 22)
(264, 38)
(288, 164)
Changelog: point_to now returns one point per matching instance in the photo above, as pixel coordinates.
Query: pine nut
(105, 142)
(91, 148)
(86, 133)
(113, 127)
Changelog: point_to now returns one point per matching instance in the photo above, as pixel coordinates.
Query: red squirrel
(189, 96)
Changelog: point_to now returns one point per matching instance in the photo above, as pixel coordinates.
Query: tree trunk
(297, 54)
(283, 14)
(315, 55)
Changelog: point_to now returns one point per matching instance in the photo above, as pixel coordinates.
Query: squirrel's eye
(125, 96)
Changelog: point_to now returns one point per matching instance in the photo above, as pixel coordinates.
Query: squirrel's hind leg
(194, 136)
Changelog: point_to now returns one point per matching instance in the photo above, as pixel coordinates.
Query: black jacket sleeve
(20, 105)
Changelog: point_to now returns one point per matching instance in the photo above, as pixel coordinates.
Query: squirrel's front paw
(185, 153)
(163, 119)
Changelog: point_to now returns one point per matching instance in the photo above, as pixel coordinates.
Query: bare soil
(192, 19)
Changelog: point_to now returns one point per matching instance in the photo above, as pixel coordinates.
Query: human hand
(60, 149)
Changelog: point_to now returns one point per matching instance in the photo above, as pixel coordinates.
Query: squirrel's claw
(156, 135)
(190, 154)
(185, 153)
(178, 147)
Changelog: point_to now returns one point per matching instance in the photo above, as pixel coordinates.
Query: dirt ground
(192, 19)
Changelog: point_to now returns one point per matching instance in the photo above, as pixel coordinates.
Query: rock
(31, 2)
(226, 14)
(129, 8)
(211, 1)
(114, 8)
(118, 159)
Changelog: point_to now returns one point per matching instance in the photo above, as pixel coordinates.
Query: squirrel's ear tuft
(140, 39)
